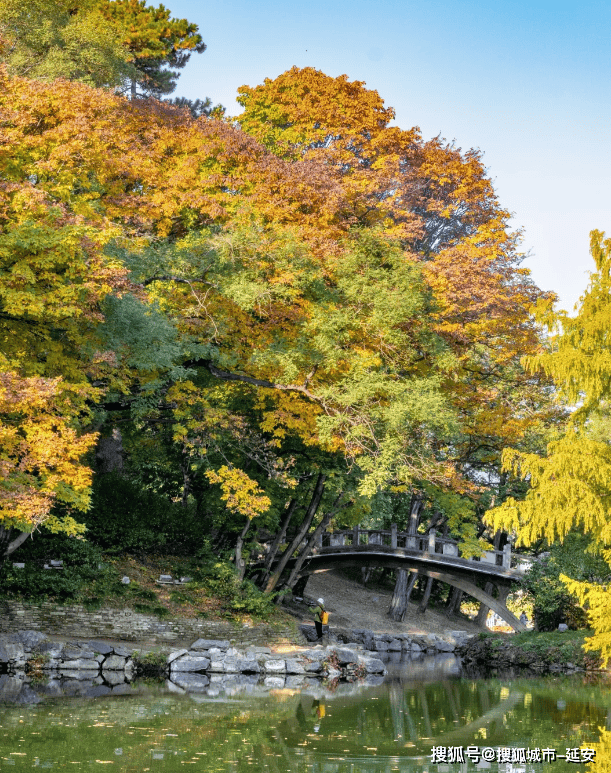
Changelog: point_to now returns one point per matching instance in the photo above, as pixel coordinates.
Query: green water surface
(315, 729)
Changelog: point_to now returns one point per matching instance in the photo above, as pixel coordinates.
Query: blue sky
(526, 82)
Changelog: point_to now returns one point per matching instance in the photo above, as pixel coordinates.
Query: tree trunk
(278, 540)
(240, 564)
(109, 453)
(365, 575)
(414, 515)
(403, 587)
(10, 540)
(454, 600)
(186, 483)
(482, 612)
(401, 595)
(300, 586)
(308, 548)
(319, 489)
(427, 595)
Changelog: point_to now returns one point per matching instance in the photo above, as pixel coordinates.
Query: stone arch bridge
(428, 555)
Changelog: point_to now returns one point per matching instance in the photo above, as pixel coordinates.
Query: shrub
(80, 558)
(220, 580)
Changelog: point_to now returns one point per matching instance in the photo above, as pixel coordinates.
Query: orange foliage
(40, 457)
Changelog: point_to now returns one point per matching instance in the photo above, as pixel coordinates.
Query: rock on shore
(208, 656)
(393, 642)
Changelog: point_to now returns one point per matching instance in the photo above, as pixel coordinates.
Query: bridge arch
(457, 572)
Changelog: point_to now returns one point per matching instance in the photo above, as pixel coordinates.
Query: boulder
(72, 651)
(294, 666)
(294, 682)
(373, 680)
(309, 631)
(176, 654)
(53, 649)
(312, 668)
(99, 646)
(251, 666)
(125, 652)
(445, 646)
(51, 664)
(12, 653)
(80, 664)
(372, 665)
(51, 687)
(29, 639)
(78, 673)
(275, 666)
(114, 663)
(344, 655)
(10, 687)
(395, 645)
(208, 644)
(189, 663)
(380, 645)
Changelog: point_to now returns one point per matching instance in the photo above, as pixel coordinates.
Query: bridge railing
(422, 543)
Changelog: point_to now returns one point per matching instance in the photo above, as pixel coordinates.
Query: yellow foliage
(40, 456)
(571, 486)
(241, 493)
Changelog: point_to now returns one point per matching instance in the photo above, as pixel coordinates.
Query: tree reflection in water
(391, 727)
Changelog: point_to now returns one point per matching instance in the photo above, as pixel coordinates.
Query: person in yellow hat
(321, 617)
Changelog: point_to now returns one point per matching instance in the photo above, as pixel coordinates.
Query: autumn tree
(41, 461)
(350, 292)
(570, 485)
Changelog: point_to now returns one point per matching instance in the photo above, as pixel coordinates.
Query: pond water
(345, 728)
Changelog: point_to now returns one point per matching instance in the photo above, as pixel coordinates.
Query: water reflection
(316, 729)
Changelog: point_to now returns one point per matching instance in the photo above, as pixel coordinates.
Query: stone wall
(127, 625)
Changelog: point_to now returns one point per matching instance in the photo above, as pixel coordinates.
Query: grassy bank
(95, 579)
(552, 652)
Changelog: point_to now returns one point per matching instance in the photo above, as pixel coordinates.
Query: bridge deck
(419, 559)
(429, 549)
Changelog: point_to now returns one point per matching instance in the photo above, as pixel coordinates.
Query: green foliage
(552, 602)
(125, 517)
(47, 39)
(80, 558)
(159, 45)
(243, 597)
(150, 662)
(553, 647)
(198, 107)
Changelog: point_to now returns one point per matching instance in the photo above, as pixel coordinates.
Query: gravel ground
(350, 605)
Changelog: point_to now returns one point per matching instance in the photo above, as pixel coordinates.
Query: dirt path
(350, 605)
